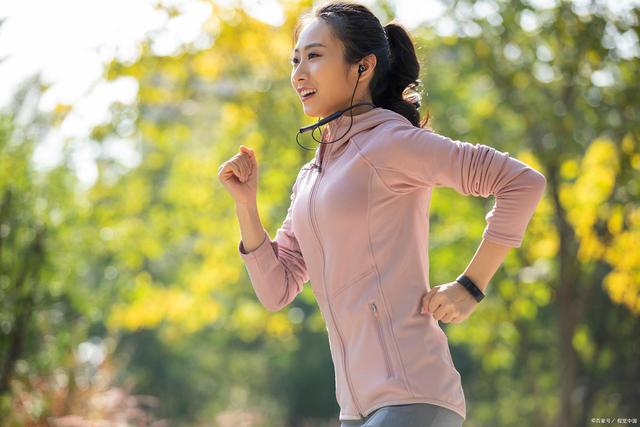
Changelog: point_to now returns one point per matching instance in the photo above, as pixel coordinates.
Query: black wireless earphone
(361, 68)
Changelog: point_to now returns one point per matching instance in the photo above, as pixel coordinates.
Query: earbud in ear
(362, 68)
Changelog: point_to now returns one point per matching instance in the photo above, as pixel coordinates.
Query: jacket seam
(384, 301)
(374, 168)
(342, 345)
(418, 399)
(352, 283)
(377, 169)
(416, 177)
(256, 254)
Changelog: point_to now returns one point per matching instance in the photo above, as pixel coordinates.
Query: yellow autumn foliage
(586, 200)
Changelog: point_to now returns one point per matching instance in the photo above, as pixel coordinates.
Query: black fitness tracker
(471, 287)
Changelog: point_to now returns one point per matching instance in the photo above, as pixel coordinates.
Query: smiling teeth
(307, 92)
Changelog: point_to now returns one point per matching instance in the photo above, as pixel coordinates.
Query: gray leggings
(409, 415)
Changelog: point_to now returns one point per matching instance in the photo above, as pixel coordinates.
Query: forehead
(316, 31)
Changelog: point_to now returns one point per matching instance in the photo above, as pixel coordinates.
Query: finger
(239, 170)
(447, 317)
(432, 301)
(231, 169)
(421, 302)
(249, 166)
(227, 167)
(425, 302)
(246, 166)
(224, 169)
(249, 163)
(252, 158)
(235, 168)
(248, 160)
(249, 153)
(439, 312)
(247, 150)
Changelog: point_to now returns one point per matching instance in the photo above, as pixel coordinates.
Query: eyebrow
(310, 45)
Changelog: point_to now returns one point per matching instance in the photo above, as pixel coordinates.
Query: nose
(299, 73)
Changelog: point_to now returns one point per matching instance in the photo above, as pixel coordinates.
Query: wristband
(471, 287)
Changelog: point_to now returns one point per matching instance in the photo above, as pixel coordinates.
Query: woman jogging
(357, 227)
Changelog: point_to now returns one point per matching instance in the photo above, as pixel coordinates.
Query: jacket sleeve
(276, 268)
(420, 157)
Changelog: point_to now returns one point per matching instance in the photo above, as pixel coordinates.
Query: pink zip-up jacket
(358, 229)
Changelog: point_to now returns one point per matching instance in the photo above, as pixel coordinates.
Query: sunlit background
(122, 294)
(71, 41)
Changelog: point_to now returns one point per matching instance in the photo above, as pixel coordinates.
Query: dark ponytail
(398, 92)
(396, 76)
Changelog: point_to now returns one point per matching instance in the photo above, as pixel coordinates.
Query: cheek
(329, 78)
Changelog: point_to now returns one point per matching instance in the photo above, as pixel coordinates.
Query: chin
(314, 112)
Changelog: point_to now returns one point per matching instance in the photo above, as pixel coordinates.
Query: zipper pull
(374, 308)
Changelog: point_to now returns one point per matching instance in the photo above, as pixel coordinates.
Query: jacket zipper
(314, 226)
(374, 310)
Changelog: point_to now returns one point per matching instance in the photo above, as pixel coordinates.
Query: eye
(295, 60)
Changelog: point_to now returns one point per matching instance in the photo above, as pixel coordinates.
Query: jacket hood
(361, 122)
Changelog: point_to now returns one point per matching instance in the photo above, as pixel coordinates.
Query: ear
(370, 62)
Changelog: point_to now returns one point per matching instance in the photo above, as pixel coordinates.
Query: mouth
(307, 96)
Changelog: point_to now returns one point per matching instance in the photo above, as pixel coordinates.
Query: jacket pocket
(381, 339)
(353, 282)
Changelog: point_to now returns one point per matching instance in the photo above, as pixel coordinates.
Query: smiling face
(318, 63)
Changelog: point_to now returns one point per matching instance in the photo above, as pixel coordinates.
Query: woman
(357, 226)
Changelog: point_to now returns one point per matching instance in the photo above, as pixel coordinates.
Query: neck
(346, 116)
(359, 109)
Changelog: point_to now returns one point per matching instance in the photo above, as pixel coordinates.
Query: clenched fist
(239, 175)
(448, 303)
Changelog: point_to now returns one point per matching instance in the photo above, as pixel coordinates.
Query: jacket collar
(361, 122)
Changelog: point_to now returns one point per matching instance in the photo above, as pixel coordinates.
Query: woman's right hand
(239, 175)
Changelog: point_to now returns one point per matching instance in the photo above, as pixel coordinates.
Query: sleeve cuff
(243, 251)
(492, 236)
(264, 256)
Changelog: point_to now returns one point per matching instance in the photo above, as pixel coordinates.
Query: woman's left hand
(450, 302)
